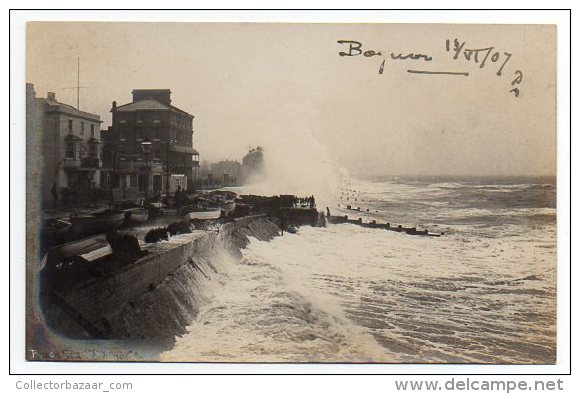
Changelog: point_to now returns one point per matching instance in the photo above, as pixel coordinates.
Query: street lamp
(169, 142)
(146, 146)
(167, 146)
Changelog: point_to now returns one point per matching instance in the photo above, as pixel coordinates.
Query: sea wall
(150, 301)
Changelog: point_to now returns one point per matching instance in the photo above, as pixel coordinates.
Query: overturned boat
(98, 222)
(206, 213)
(228, 206)
(55, 228)
(137, 215)
(88, 250)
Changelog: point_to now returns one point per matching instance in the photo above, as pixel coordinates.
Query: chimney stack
(51, 96)
(160, 95)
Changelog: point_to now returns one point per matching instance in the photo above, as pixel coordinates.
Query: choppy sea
(485, 292)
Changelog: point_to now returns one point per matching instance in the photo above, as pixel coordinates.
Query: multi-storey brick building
(149, 147)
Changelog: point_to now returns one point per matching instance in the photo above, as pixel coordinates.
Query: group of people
(305, 201)
(75, 194)
(181, 197)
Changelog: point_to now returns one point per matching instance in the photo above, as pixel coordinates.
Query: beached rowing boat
(204, 214)
(99, 222)
(137, 215)
(55, 228)
(88, 249)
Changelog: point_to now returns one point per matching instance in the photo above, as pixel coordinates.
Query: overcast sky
(285, 87)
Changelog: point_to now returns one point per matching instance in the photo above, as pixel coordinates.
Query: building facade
(253, 164)
(148, 150)
(226, 173)
(70, 148)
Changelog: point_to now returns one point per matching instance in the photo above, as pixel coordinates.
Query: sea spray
(295, 161)
(485, 292)
(258, 313)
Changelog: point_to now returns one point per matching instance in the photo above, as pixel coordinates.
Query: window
(93, 150)
(70, 126)
(70, 150)
(82, 128)
(133, 182)
(106, 181)
(93, 131)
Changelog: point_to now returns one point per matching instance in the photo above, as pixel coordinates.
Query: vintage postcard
(291, 192)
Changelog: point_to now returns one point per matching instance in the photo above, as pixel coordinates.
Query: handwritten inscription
(355, 49)
(483, 57)
(477, 54)
(480, 56)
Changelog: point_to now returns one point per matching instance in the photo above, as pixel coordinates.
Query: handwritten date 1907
(481, 56)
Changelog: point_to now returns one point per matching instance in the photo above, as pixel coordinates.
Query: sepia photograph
(353, 193)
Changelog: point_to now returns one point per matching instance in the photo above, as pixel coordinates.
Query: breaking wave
(483, 293)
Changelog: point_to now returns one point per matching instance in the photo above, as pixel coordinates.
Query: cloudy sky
(285, 87)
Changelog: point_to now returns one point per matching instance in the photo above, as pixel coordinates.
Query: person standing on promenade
(54, 193)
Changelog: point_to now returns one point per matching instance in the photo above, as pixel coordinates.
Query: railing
(182, 149)
(71, 162)
(140, 165)
(91, 162)
(84, 162)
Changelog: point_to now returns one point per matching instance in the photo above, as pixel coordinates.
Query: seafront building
(253, 163)
(148, 150)
(222, 174)
(70, 146)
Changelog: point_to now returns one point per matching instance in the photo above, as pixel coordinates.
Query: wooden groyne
(385, 226)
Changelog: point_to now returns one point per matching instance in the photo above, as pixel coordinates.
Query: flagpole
(78, 80)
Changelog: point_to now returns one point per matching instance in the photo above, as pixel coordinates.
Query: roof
(56, 106)
(183, 149)
(151, 90)
(149, 104)
(143, 105)
(173, 107)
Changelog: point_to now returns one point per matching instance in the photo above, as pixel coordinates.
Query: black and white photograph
(379, 193)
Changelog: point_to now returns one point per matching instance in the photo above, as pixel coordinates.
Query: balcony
(91, 163)
(71, 163)
(139, 166)
(82, 164)
(183, 149)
